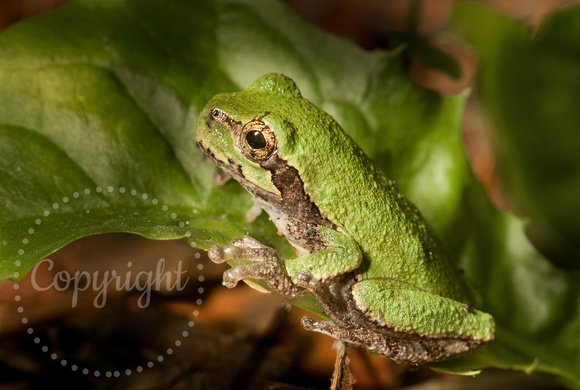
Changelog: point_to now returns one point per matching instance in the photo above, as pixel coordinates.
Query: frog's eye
(258, 141)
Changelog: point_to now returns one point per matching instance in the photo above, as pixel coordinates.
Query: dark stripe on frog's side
(298, 217)
(294, 200)
(302, 216)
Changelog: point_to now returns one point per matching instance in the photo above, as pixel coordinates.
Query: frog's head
(243, 132)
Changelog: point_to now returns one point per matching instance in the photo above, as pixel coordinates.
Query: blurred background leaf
(529, 84)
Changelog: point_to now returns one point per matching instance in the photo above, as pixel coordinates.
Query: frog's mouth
(230, 167)
(235, 171)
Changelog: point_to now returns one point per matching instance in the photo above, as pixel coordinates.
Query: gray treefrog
(364, 251)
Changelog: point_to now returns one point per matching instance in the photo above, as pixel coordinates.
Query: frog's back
(350, 192)
(360, 200)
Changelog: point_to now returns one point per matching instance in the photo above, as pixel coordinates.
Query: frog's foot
(370, 340)
(413, 352)
(417, 350)
(268, 266)
(239, 248)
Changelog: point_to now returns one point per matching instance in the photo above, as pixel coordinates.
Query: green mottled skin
(455, 317)
(393, 238)
(396, 245)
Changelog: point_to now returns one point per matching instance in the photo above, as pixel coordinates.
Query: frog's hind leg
(343, 327)
(373, 303)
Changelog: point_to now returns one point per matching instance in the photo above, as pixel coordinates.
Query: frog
(380, 277)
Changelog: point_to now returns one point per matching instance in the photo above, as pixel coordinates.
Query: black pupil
(256, 139)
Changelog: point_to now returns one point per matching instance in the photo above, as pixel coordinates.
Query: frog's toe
(247, 242)
(232, 277)
(308, 323)
(304, 279)
(325, 327)
(238, 241)
(217, 254)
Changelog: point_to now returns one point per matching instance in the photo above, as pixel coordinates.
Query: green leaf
(98, 107)
(97, 132)
(530, 85)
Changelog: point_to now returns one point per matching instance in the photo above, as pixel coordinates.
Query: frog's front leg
(268, 265)
(341, 255)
